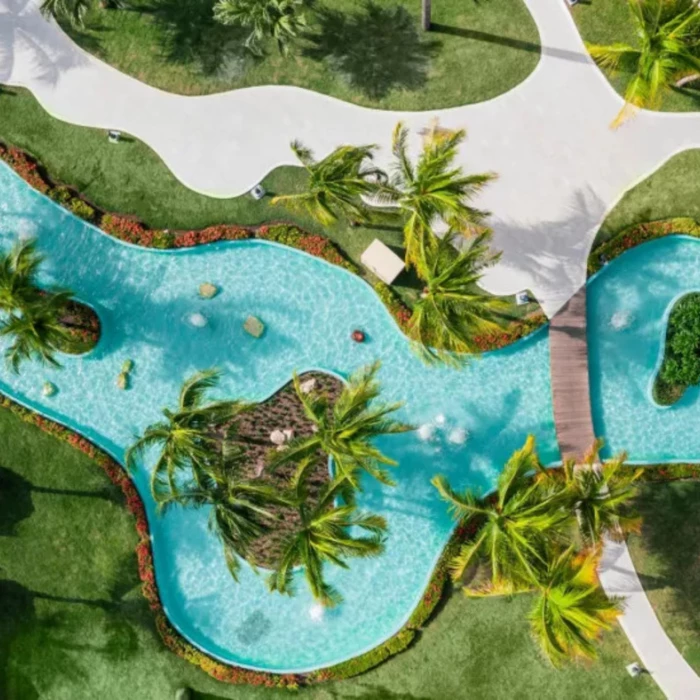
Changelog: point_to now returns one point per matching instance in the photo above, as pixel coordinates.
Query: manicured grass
(370, 52)
(672, 191)
(666, 558)
(73, 623)
(607, 22)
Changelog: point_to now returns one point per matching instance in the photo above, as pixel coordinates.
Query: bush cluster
(635, 235)
(681, 365)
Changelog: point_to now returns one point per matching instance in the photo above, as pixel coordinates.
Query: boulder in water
(254, 326)
(207, 290)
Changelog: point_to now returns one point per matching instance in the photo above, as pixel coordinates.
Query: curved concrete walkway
(561, 168)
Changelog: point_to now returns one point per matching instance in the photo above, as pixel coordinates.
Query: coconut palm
(666, 50)
(324, 537)
(73, 10)
(187, 438)
(516, 524)
(432, 188)
(571, 609)
(36, 331)
(599, 496)
(281, 20)
(18, 271)
(346, 430)
(336, 183)
(241, 510)
(453, 309)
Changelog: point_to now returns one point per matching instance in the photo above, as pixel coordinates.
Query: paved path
(568, 350)
(658, 654)
(561, 167)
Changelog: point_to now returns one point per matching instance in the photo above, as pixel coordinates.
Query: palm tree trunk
(688, 79)
(426, 15)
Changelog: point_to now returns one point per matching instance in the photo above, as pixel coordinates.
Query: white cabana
(381, 260)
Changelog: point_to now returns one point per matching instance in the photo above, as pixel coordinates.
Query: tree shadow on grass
(192, 36)
(670, 528)
(376, 49)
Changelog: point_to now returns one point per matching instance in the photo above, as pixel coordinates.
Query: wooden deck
(569, 370)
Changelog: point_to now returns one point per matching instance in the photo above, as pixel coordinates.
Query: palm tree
(571, 609)
(73, 10)
(665, 53)
(336, 183)
(281, 20)
(324, 537)
(452, 308)
(598, 495)
(432, 189)
(517, 523)
(186, 437)
(37, 331)
(240, 510)
(18, 271)
(345, 431)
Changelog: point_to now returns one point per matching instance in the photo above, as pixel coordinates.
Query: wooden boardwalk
(569, 371)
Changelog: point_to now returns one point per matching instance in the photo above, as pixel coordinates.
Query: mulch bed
(280, 412)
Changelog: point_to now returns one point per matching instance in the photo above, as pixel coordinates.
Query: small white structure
(114, 136)
(522, 298)
(382, 261)
(258, 192)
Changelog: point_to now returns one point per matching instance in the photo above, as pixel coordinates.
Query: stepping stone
(254, 326)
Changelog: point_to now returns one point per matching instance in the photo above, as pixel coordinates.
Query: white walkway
(561, 168)
(658, 654)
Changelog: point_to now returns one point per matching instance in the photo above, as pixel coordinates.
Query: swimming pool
(628, 305)
(143, 298)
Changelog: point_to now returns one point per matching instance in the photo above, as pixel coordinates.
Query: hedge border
(229, 673)
(173, 640)
(632, 236)
(131, 230)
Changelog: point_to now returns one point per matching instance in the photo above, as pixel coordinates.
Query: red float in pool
(358, 336)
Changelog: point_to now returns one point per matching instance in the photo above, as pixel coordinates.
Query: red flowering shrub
(25, 166)
(635, 235)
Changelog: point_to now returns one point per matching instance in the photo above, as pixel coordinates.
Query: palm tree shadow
(669, 533)
(15, 501)
(192, 36)
(376, 50)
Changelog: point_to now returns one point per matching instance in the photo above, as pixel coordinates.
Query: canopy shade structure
(382, 261)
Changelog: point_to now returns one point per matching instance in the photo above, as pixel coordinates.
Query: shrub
(682, 359)
(81, 209)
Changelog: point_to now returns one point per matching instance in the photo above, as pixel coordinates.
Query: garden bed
(282, 411)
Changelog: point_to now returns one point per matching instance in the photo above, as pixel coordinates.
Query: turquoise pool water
(628, 305)
(310, 308)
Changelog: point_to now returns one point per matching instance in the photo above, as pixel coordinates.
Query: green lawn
(672, 191)
(666, 556)
(371, 52)
(74, 626)
(608, 22)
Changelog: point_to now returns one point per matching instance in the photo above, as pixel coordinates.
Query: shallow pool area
(628, 306)
(471, 419)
